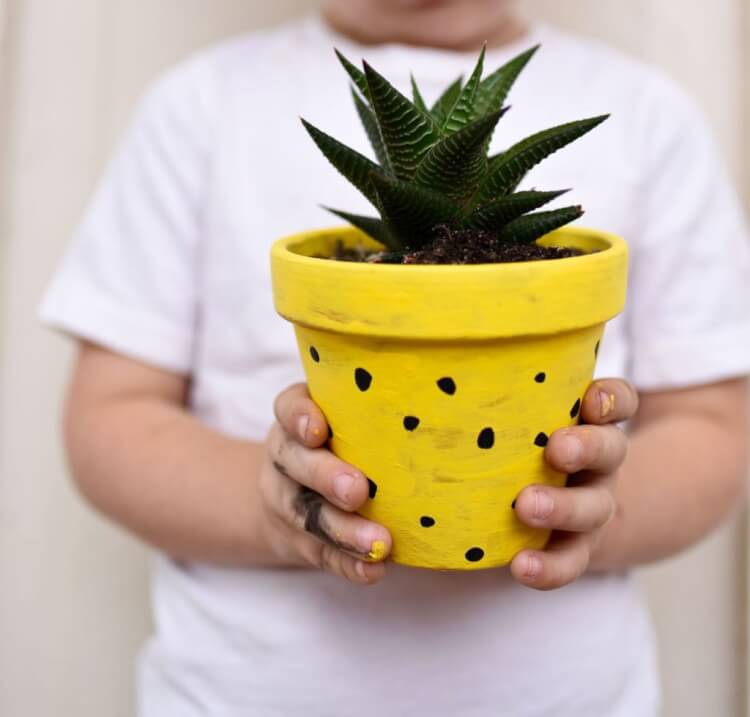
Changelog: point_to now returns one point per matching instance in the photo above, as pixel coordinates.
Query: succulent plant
(433, 167)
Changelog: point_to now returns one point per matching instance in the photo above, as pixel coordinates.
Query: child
(259, 608)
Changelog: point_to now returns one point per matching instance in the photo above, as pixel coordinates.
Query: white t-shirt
(171, 267)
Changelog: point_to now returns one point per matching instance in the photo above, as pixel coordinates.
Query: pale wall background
(72, 588)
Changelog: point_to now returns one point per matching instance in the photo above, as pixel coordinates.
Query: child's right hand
(311, 497)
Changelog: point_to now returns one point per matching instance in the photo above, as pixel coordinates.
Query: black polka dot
(486, 438)
(541, 377)
(474, 555)
(330, 432)
(426, 521)
(447, 385)
(410, 423)
(363, 379)
(541, 440)
(315, 355)
(596, 348)
(373, 488)
(576, 409)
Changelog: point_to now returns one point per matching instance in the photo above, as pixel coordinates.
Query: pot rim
(449, 302)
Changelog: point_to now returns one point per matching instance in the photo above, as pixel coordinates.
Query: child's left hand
(592, 455)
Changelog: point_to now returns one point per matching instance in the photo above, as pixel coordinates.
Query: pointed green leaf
(513, 165)
(494, 161)
(531, 227)
(455, 166)
(411, 212)
(463, 110)
(371, 226)
(408, 133)
(493, 90)
(353, 165)
(370, 123)
(445, 102)
(358, 77)
(495, 215)
(417, 96)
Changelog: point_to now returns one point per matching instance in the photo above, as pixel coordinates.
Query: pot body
(449, 422)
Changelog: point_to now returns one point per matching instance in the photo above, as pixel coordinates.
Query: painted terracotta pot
(443, 383)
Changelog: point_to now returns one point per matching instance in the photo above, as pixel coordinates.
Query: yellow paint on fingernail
(612, 401)
(607, 401)
(316, 432)
(378, 551)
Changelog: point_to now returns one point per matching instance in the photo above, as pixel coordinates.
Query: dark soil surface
(452, 246)
(457, 246)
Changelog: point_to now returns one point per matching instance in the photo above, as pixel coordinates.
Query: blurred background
(73, 589)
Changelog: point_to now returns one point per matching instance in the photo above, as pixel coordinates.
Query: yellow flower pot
(443, 383)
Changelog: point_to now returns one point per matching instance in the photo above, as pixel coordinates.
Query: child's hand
(592, 455)
(311, 497)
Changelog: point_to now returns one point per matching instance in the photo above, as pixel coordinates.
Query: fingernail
(359, 568)
(302, 425)
(543, 504)
(342, 486)
(369, 542)
(378, 550)
(533, 567)
(606, 403)
(572, 451)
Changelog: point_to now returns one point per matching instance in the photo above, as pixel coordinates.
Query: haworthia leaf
(445, 102)
(370, 123)
(513, 165)
(494, 161)
(493, 90)
(369, 225)
(357, 168)
(531, 227)
(411, 212)
(358, 77)
(408, 133)
(495, 215)
(462, 111)
(455, 166)
(417, 96)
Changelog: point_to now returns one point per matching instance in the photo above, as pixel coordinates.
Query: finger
(562, 563)
(594, 448)
(328, 558)
(578, 510)
(309, 513)
(300, 416)
(319, 470)
(609, 400)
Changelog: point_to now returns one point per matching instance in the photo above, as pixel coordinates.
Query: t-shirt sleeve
(128, 279)
(688, 317)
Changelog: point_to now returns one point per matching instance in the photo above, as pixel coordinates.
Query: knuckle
(634, 398)
(583, 559)
(317, 556)
(275, 436)
(566, 509)
(622, 442)
(281, 401)
(287, 403)
(614, 446)
(607, 508)
(574, 515)
(329, 559)
(317, 471)
(591, 440)
(349, 571)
